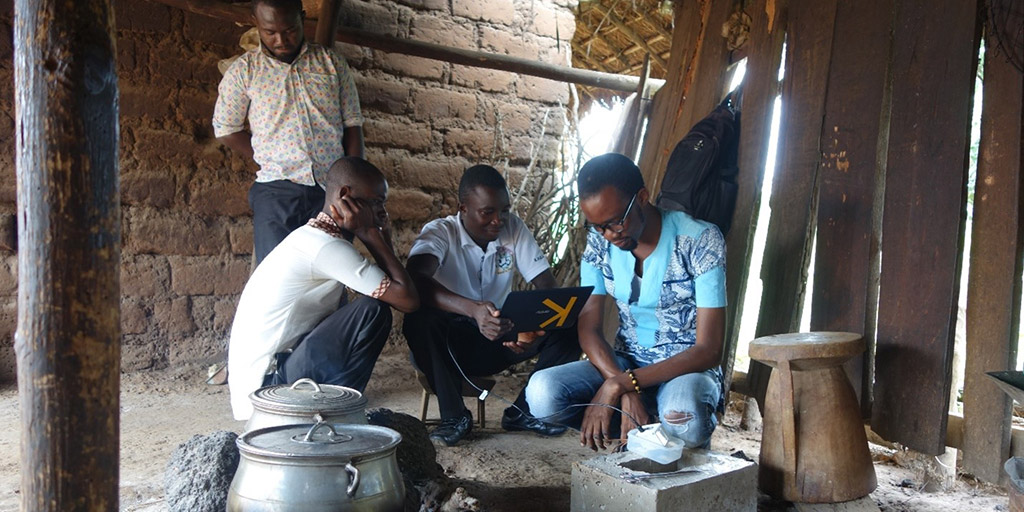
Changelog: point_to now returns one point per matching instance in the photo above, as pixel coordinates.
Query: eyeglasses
(616, 226)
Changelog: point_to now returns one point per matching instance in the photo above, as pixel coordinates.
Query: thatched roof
(615, 35)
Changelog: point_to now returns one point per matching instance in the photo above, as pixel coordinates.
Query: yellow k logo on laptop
(561, 314)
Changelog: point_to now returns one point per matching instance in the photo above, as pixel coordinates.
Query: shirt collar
(325, 223)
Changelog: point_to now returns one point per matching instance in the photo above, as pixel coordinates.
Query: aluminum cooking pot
(302, 402)
(317, 468)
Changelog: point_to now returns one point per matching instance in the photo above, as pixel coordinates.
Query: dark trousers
(342, 349)
(430, 332)
(278, 207)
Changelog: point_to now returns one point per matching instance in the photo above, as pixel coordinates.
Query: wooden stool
(467, 390)
(813, 447)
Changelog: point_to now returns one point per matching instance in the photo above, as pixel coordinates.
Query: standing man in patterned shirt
(303, 112)
(666, 273)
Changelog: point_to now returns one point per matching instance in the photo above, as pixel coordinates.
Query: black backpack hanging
(700, 178)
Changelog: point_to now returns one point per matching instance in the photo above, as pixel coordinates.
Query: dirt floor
(505, 471)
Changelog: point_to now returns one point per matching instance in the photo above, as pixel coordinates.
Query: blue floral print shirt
(685, 271)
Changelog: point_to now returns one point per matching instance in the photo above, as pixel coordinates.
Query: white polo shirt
(295, 287)
(474, 273)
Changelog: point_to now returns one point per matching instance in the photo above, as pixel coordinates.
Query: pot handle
(311, 382)
(318, 426)
(353, 479)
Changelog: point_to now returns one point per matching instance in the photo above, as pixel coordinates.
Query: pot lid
(322, 442)
(306, 397)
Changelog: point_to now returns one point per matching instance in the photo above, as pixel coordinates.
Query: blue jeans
(686, 404)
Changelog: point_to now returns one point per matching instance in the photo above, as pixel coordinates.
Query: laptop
(545, 310)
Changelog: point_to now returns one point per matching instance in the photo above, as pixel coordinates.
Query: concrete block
(623, 481)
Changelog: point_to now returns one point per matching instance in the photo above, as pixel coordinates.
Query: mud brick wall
(187, 237)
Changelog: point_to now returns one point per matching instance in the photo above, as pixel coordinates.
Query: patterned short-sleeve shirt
(685, 271)
(297, 112)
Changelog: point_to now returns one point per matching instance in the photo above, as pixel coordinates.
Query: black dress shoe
(451, 430)
(515, 420)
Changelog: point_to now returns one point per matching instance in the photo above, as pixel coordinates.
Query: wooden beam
(629, 132)
(787, 250)
(327, 23)
(760, 87)
(68, 340)
(993, 297)
(922, 225)
(239, 13)
(629, 33)
(852, 137)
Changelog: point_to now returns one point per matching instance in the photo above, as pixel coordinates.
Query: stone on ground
(199, 473)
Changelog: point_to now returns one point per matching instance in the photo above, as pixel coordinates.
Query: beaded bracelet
(632, 377)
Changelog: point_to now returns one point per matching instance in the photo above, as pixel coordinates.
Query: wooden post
(993, 297)
(68, 339)
(852, 138)
(787, 250)
(933, 68)
(760, 86)
(327, 23)
(697, 65)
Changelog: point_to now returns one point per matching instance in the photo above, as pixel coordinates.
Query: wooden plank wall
(993, 300)
(760, 87)
(933, 68)
(853, 137)
(692, 90)
(808, 52)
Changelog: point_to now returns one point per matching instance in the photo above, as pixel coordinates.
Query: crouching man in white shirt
(289, 324)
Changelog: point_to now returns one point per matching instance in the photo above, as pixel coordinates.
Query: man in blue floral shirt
(666, 273)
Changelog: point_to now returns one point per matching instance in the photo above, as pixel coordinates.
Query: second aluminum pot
(305, 402)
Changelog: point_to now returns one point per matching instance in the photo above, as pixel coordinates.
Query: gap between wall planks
(699, 60)
(794, 185)
(933, 69)
(993, 300)
(852, 137)
(239, 13)
(760, 87)
(68, 340)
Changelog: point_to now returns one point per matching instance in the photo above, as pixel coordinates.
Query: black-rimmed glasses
(616, 226)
